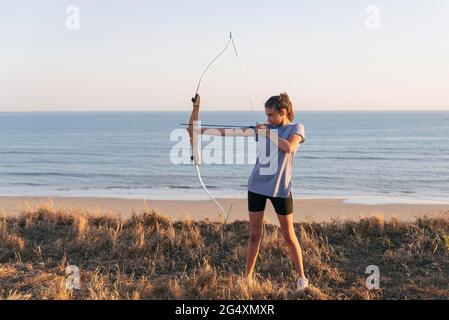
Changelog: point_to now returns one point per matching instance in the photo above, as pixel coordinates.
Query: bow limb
(197, 167)
(195, 150)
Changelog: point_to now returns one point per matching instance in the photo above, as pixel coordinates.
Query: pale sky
(148, 55)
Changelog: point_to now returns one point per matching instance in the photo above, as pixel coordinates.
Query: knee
(290, 238)
(255, 237)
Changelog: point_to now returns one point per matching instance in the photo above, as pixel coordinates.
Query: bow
(194, 119)
(196, 158)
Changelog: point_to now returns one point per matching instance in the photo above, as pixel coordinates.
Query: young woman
(274, 185)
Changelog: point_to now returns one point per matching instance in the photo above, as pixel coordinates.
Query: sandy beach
(308, 209)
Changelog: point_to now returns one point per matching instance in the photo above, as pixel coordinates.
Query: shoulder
(298, 128)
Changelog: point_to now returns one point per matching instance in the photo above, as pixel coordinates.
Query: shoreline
(323, 209)
(360, 198)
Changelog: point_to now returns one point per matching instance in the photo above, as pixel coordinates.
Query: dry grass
(151, 257)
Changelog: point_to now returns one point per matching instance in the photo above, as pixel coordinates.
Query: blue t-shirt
(272, 172)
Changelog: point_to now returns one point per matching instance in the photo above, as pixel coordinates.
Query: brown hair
(280, 102)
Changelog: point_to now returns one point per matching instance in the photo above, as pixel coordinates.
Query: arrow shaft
(219, 125)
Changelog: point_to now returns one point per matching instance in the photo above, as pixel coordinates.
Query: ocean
(366, 157)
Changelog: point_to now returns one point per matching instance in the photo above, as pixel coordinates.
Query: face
(274, 117)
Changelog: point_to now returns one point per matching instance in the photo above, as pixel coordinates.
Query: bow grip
(194, 98)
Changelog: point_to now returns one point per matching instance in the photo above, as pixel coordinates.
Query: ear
(283, 112)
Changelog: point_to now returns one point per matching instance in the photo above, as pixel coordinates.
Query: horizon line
(211, 111)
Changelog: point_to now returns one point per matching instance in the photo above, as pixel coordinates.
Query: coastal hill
(149, 256)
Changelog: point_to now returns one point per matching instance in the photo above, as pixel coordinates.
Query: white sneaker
(302, 284)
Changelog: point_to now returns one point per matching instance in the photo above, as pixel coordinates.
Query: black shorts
(282, 206)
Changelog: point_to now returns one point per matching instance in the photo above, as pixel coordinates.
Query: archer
(261, 186)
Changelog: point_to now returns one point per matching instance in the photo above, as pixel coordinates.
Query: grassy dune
(150, 257)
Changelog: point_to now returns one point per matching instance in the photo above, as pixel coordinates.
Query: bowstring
(245, 83)
(248, 94)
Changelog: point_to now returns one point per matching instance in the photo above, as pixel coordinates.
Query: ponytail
(280, 102)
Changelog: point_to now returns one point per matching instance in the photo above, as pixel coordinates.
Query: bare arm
(228, 132)
(291, 144)
(287, 146)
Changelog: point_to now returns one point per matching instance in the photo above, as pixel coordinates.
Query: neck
(282, 123)
(285, 121)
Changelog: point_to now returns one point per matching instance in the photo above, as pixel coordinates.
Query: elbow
(292, 148)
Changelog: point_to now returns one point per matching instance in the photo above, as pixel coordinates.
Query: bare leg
(288, 232)
(255, 236)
